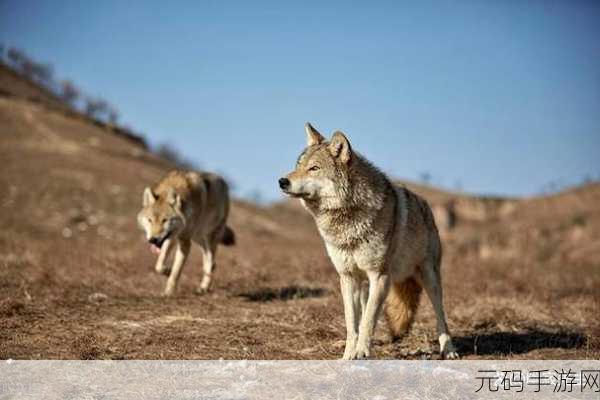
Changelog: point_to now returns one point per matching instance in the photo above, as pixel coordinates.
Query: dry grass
(76, 278)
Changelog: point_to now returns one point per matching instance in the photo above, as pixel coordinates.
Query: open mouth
(155, 247)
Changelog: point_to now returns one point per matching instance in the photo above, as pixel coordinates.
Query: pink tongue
(155, 249)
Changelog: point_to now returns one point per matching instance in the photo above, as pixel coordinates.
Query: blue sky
(496, 97)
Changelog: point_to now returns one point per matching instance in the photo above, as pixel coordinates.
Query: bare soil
(521, 276)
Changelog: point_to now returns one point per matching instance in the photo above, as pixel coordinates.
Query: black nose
(284, 183)
(155, 241)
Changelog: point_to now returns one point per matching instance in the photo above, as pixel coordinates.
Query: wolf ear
(312, 135)
(174, 199)
(149, 197)
(340, 148)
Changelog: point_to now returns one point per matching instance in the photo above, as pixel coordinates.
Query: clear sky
(499, 97)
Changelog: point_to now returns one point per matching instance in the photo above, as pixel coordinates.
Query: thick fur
(401, 306)
(374, 231)
(186, 206)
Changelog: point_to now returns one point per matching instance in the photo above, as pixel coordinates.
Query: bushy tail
(401, 306)
(228, 238)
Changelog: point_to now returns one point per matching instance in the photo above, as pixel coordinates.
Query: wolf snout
(284, 183)
(159, 240)
(155, 241)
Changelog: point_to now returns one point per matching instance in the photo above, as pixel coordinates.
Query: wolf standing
(185, 207)
(374, 232)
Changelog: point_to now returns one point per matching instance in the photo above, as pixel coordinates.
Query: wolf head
(161, 217)
(322, 170)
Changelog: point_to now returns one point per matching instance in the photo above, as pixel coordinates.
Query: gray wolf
(186, 206)
(381, 238)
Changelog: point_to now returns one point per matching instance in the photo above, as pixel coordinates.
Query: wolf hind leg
(432, 283)
(181, 254)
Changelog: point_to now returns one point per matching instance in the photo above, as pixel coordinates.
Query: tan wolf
(381, 238)
(183, 207)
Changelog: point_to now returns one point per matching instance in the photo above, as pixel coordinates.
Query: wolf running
(183, 207)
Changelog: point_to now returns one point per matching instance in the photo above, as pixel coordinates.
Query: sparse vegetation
(69, 93)
(93, 107)
(65, 90)
(171, 154)
(92, 293)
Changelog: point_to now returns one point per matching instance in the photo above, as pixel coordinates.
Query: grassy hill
(521, 276)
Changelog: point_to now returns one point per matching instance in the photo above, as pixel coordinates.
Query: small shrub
(579, 220)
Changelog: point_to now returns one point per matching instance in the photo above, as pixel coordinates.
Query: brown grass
(76, 278)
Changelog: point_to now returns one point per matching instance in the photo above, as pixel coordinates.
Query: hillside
(521, 276)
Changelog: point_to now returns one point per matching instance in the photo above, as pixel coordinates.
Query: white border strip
(378, 380)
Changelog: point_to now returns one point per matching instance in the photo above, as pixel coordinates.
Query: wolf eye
(164, 220)
(314, 168)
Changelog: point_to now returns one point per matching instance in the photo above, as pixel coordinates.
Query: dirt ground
(521, 277)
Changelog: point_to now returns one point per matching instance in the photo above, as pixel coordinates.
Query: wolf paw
(450, 355)
(447, 348)
(349, 349)
(361, 352)
(348, 354)
(201, 291)
(163, 271)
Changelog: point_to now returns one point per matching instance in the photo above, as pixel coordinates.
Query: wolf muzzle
(284, 183)
(158, 241)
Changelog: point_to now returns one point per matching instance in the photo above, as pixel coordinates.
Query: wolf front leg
(165, 250)
(350, 288)
(183, 249)
(209, 249)
(379, 284)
